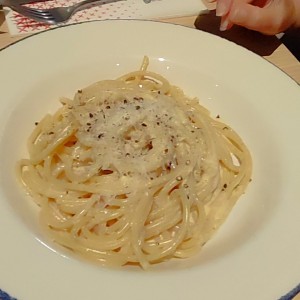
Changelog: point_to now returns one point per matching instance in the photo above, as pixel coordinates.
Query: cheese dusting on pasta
(132, 171)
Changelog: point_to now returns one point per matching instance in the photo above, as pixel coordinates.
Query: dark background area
(291, 40)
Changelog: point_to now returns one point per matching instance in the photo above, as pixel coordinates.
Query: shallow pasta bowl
(259, 241)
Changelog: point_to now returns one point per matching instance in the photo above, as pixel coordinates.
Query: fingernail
(224, 25)
(220, 9)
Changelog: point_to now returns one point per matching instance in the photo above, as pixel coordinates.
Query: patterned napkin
(122, 9)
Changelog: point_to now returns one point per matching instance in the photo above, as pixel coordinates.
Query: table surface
(280, 57)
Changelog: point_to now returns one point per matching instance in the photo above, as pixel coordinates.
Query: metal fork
(53, 15)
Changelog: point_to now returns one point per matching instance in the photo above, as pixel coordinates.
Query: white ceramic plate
(255, 255)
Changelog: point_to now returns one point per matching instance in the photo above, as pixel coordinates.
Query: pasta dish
(133, 172)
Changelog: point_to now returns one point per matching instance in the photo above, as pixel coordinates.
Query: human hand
(266, 16)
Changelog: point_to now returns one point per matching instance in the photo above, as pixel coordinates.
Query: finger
(225, 23)
(269, 20)
(223, 7)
